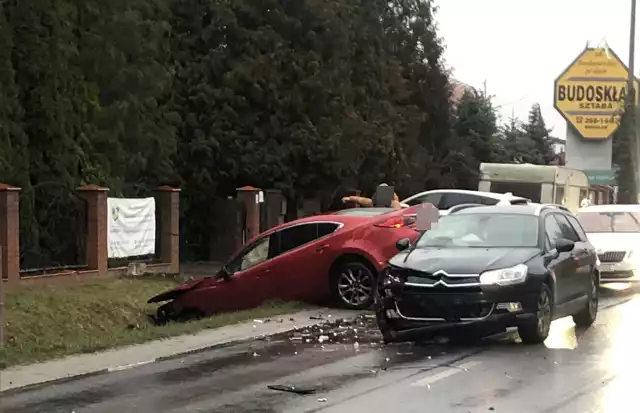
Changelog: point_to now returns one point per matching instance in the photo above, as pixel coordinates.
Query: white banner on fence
(131, 227)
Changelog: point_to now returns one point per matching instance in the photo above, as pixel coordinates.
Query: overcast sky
(519, 47)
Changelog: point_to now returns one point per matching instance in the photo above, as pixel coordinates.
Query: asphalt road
(574, 371)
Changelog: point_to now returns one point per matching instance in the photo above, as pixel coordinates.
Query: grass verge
(44, 321)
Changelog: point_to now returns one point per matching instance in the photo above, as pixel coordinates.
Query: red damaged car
(334, 256)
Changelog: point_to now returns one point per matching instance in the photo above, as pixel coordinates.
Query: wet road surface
(591, 370)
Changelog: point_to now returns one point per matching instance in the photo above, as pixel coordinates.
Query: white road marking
(129, 366)
(447, 372)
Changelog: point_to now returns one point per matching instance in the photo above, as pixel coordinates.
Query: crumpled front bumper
(415, 309)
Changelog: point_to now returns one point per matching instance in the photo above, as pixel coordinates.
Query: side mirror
(224, 273)
(402, 244)
(564, 245)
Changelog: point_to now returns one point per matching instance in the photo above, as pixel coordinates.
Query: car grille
(612, 256)
(414, 307)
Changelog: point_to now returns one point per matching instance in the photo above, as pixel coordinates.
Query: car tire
(353, 285)
(164, 314)
(536, 330)
(588, 315)
(389, 335)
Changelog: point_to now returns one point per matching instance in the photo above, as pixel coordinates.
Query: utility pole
(635, 137)
(485, 86)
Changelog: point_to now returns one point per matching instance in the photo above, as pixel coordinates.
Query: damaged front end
(174, 292)
(390, 289)
(407, 309)
(169, 311)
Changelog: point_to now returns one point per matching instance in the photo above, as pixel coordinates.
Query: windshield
(610, 221)
(482, 230)
(364, 212)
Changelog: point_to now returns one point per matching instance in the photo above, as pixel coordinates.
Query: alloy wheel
(593, 297)
(544, 312)
(355, 285)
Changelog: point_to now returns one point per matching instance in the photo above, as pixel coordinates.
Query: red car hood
(174, 292)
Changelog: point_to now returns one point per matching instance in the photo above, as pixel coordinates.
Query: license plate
(607, 268)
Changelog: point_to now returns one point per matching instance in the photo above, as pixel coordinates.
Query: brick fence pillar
(168, 203)
(248, 197)
(10, 232)
(97, 230)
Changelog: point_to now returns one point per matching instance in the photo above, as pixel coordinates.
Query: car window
(428, 198)
(610, 221)
(575, 224)
(552, 230)
(363, 212)
(483, 230)
(567, 230)
(485, 200)
(450, 200)
(256, 255)
(560, 195)
(326, 228)
(296, 236)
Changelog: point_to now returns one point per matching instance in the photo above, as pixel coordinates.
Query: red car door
(301, 268)
(248, 285)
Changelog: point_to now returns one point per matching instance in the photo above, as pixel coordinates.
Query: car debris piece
(313, 317)
(292, 388)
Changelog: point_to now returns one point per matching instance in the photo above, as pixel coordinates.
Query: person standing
(364, 202)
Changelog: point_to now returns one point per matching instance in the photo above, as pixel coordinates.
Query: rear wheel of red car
(353, 285)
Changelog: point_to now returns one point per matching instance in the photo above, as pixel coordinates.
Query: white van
(545, 184)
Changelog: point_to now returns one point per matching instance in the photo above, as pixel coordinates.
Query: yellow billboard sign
(590, 93)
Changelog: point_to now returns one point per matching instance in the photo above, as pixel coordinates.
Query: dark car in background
(491, 266)
(335, 256)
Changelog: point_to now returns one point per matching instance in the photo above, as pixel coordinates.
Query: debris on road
(322, 400)
(292, 389)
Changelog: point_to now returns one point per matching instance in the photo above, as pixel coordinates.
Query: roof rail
(463, 206)
(562, 207)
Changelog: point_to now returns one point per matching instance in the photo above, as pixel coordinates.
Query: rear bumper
(430, 310)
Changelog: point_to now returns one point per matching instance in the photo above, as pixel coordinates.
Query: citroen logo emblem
(439, 273)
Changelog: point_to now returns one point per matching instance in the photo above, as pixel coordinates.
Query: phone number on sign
(597, 120)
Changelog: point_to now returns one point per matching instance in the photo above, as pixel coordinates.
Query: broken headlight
(391, 276)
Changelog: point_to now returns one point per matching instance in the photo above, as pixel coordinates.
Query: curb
(115, 369)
